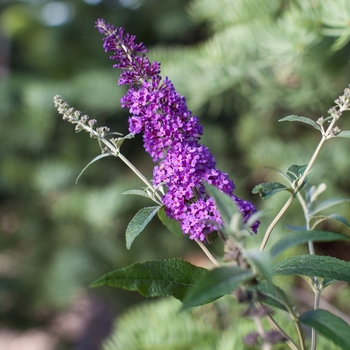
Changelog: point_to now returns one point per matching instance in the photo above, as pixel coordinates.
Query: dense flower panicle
(162, 115)
(171, 135)
(137, 69)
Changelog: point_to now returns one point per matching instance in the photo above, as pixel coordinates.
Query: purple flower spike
(171, 135)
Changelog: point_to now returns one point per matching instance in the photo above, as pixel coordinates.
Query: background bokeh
(241, 67)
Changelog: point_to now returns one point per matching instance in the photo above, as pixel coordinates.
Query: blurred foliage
(57, 237)
(257, 64)
(241, 66)
(216, 326)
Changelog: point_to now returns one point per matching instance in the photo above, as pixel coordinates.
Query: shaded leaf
(299, 237)
(296, 118)
(268, 189)
(315, 220)
(314, 265)
(225, 204)
(172, 225)
(262, 261)
(329, 325)
(103, 155)
(216, 283)
(328, 203)
(295, 172)
(272, 295)
(154, 278)
(138, 193)
(138, 223)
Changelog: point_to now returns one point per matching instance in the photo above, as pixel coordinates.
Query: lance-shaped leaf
(316, 220)
(268, 189)
(345, 134)
(138, 193)
(329, 325)
(271, 294)
(172, 225)
(261, 261)
(226, 206)
(314, 265)
(301, 237)
(138, 223)
(297, 118)
(328, 204)
(154, 278)
(216, 283)
(103, 155)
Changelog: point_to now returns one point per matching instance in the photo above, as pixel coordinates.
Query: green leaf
(172, 225)
(299, 237)
(138, 223)
(345, 134)
(138, 193)
(315, 220)
(103, 155)
(342, 40)
(268, 189)
(328, 203)
(226, 206)
(329, 325)
(261, 261)
(154, 278)
(271, 294)
(340, 219)
(216, 283)
(296, 118)
(295, 172)
(279, 172)
(314, 265)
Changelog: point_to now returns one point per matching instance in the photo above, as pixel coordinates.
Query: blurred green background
(242, 65)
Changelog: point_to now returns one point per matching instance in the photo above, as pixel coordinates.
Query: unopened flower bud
(274, 337)
(251, 339)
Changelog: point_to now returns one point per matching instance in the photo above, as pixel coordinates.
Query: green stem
(274, 325)
(207, 253)
(315, 288)
(325, 136)
(116, 152)
(316, 306)
(293, 317)
(275, 221)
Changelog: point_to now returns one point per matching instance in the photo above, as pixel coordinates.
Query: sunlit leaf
(154, 278)
(296, 118)
(314, 265)
(299, 237)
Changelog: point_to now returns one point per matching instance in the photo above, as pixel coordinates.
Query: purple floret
(171, 136)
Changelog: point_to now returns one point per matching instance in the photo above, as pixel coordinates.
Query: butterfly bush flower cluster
(171, 136)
